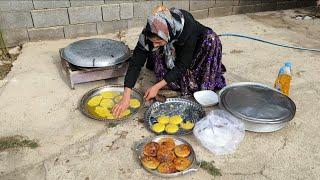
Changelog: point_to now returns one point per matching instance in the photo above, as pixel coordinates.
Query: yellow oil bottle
(284, 78)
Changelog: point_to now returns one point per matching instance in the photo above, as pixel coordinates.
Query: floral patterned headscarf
(168, 25)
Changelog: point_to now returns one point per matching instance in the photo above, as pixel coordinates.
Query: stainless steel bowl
(192, 157)
(261, 108)
(115, 88)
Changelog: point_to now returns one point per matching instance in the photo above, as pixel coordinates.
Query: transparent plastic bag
(219, 132)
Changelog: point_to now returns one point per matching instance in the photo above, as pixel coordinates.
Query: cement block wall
(32, 20)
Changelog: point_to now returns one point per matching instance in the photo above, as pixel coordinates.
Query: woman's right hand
(123, 104)
(120, 107)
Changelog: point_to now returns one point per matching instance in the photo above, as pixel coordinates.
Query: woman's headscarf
(168, 25)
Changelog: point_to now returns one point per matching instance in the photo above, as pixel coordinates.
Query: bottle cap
(282, 70)
(288, 64)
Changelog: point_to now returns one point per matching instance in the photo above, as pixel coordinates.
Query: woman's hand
(151, 92)
(123, 104)
(120, 107)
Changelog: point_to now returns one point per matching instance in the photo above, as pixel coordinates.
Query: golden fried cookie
(172, 128)
(176, 119)
(94, 101)
(163, 119)
(118, 98)
(150, 162)
(158, 127)
(167, 168)
(134, 103)
(125, 113)
(165, 155)
(167, 143)
(109, 94)
(151, 149)
(102, 111)
(187, 126)
(182, 150)
(107, 103)
(181, 163)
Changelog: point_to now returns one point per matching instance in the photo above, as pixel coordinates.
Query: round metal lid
(96, 53)
(257, 103)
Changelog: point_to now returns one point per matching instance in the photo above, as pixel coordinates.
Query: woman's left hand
(151, 92)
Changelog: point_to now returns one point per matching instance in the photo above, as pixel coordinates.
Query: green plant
(2, 44)
(210, 168)
(111, 125)
(16, 142)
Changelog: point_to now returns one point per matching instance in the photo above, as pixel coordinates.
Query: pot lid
(96, 53)
(257, 103)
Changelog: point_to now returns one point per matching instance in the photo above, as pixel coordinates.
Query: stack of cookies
(165, 156)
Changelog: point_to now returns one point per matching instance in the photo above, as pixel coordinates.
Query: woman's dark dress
(198, 60)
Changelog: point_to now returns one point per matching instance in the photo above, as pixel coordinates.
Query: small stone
(15, 51)
(307, 18)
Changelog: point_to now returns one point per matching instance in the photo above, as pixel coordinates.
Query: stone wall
(33, 20)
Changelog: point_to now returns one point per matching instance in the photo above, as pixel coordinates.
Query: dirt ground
(37, 102)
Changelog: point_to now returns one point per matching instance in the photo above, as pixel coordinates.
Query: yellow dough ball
(118, 98)
(102, 111)
(163, 119)
(187, 126)
(94, 101)
(158, 127)
(107, 103)
(109, 94)
(172, 128)
(134, 103)
(125, 113)
(176, 119)
(111, 117)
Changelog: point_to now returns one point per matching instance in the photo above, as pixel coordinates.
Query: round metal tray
(257, 103)
(115, 88)
(174, 106)
(192, 157)
(96, 52)
(259, 107)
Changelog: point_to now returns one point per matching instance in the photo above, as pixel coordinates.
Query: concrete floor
(37, 102)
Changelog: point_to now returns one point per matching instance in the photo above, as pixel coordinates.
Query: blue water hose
(268, 42)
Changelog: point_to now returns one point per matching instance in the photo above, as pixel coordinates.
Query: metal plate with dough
(187, 109)
(96, 53)
(112, 88)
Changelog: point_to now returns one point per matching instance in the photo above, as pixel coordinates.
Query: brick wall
(33, 20)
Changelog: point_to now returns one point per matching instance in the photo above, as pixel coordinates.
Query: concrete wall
(33, 20)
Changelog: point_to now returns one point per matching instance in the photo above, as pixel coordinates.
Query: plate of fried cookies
(166, 156)
(98, 103)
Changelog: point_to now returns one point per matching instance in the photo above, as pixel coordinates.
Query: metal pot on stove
(96, 53)
(94, 59)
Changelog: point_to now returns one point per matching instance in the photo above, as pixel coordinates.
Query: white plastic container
(206, 98)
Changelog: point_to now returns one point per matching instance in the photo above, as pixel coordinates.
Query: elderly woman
(184, 54)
